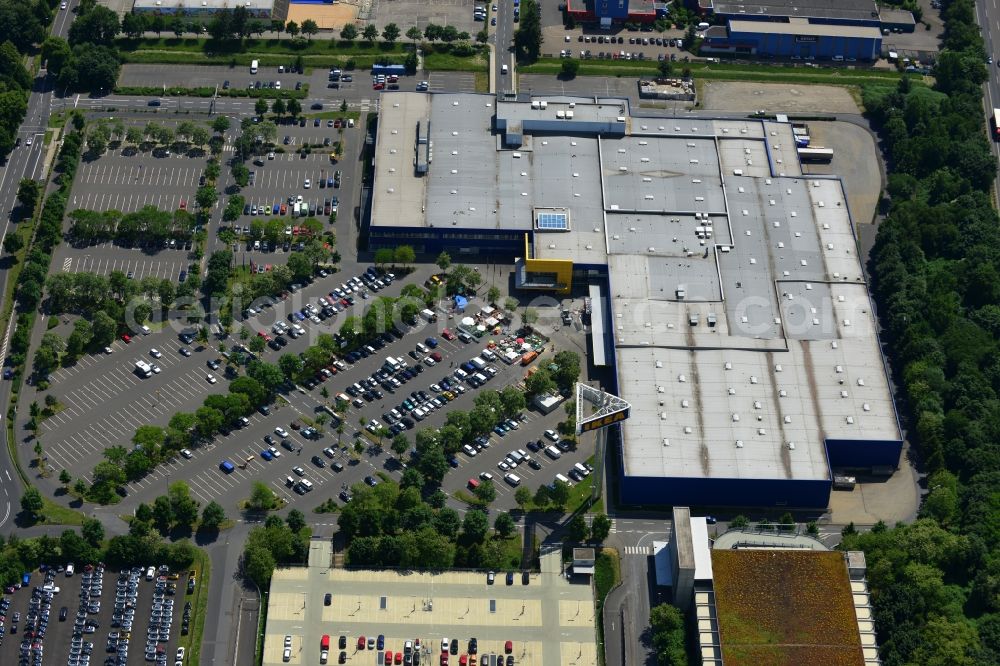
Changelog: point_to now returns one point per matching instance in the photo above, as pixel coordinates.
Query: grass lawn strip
(198, 608)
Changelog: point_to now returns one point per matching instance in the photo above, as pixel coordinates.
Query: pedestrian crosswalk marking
(638, 550)
(67, 263)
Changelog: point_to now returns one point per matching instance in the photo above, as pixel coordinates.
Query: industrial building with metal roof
(734, 297)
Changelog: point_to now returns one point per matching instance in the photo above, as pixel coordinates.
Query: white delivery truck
(478, 363)
(428, 315)
(143, 369)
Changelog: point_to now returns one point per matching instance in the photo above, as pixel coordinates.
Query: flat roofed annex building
(257, 9)
(741, 324)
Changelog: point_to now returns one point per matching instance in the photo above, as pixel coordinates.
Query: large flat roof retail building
(735, 302)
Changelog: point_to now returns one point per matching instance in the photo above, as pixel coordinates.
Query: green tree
(185, 507)
(349, 32)
(504, 525)
(528, 37)
(92, 531)
(31, 503)
(295, 520)
(443, 260)
(512, 401)
(220, 124)
(260, 106)
(568, 371)
(97, 26)
(292, 28)
(310, 27)
(540, 383)
(212, 516)
(400, 444)
(28, 191)
(667, 627)
(600, 527)
(414, 34)
(787, 522)
(577, 529)
(569, 68)
(475, 525)
(258, 561)
(383, 256)
(261, 497)
(13, 243)
(522, 496)
(370, 33)
(559, 493)
(163, 513)
(485, 492)
(390, 33)
(403, 254)
(65, 478)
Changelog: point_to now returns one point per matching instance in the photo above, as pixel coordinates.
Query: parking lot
(126, 179)
(439, 12)
(557, 38)
(444, 618)
(105, 401)
(357, 92)
(95, 616)
(243, 446)
(105, 258)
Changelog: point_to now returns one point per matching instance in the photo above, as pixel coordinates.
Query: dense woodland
(936, 278)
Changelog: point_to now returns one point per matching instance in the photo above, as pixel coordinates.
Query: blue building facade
(808, 41)
(813, 47)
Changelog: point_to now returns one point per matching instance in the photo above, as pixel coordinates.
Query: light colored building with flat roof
(734, 296)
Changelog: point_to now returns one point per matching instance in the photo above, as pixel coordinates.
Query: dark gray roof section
(857, 10)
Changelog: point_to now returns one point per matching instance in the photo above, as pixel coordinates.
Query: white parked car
(211, 378)
(187, 453)
(155, 353)
(280, 432)
(307, 184)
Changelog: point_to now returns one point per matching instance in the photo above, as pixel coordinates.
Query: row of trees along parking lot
(31, 278)
(936, 266)
(140, 547)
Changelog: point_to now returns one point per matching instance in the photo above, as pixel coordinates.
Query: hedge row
(209, 91)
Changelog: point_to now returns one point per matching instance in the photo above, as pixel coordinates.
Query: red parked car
(126, 337)
(361, 642)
